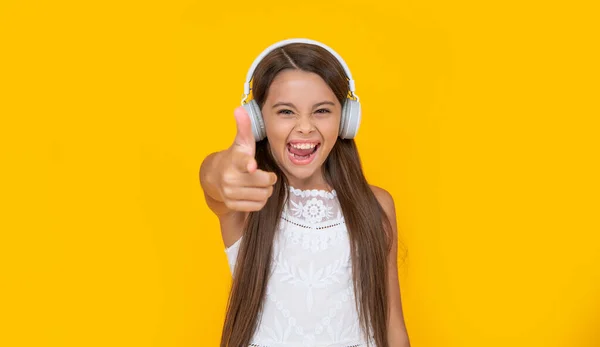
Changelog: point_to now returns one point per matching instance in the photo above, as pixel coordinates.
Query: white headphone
(350, 111)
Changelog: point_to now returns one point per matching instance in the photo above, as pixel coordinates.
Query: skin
(299, 106)
(397, 334)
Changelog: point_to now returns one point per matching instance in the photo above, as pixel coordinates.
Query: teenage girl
(311, 245)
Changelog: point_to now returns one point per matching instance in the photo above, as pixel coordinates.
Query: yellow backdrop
(481, 119)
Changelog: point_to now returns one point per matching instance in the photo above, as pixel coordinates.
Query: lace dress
(310, 298)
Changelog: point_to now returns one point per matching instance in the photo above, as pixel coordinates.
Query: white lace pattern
(310, 297)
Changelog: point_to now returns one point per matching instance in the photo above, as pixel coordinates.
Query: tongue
(302, 152)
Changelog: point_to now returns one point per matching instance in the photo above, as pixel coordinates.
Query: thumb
(244, 136)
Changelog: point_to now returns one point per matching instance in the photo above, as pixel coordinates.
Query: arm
(232, 183)
(397, 334)
(208, 182)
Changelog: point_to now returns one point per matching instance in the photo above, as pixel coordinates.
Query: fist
(242, 186)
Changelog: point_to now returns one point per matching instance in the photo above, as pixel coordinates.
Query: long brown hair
(368, 228)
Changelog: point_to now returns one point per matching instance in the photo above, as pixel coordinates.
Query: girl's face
(302, 121)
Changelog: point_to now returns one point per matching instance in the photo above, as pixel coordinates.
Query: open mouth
(302, 153)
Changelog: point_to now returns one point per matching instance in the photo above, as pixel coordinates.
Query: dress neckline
(313, 192)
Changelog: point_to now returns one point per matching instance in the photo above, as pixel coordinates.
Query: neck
(313, 182)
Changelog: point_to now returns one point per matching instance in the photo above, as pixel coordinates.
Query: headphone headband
(286, 42)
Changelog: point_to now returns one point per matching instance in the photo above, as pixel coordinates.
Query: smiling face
(302, 119)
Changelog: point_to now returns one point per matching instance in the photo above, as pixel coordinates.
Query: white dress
(310, 297)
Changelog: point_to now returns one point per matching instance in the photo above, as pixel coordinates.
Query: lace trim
(313, 192)
(319, 242)
(312, 227)
(317, 237)
(313, 211)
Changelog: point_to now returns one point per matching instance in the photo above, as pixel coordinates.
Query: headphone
(350, 110)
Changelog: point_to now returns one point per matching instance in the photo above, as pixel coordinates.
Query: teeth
(303, 145)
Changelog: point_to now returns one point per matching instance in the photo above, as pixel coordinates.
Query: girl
(311, 245)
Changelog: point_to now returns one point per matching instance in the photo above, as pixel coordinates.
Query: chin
(303, 175)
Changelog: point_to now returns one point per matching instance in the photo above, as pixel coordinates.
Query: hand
(241, 185)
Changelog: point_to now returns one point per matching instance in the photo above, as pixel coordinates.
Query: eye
(323, 110)
(285, 112)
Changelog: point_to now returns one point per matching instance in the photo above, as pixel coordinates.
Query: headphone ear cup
(258, 126)
(351, 114)
(344, 119)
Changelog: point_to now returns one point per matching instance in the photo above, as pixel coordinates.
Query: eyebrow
(289, 104)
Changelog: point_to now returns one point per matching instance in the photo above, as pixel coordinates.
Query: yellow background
(481, 119)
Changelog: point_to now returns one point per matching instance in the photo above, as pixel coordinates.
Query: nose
(305, 124)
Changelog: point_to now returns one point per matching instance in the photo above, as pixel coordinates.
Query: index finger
(244, 162)
(261, 179)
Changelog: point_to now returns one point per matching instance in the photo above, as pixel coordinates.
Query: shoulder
(385, 199)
